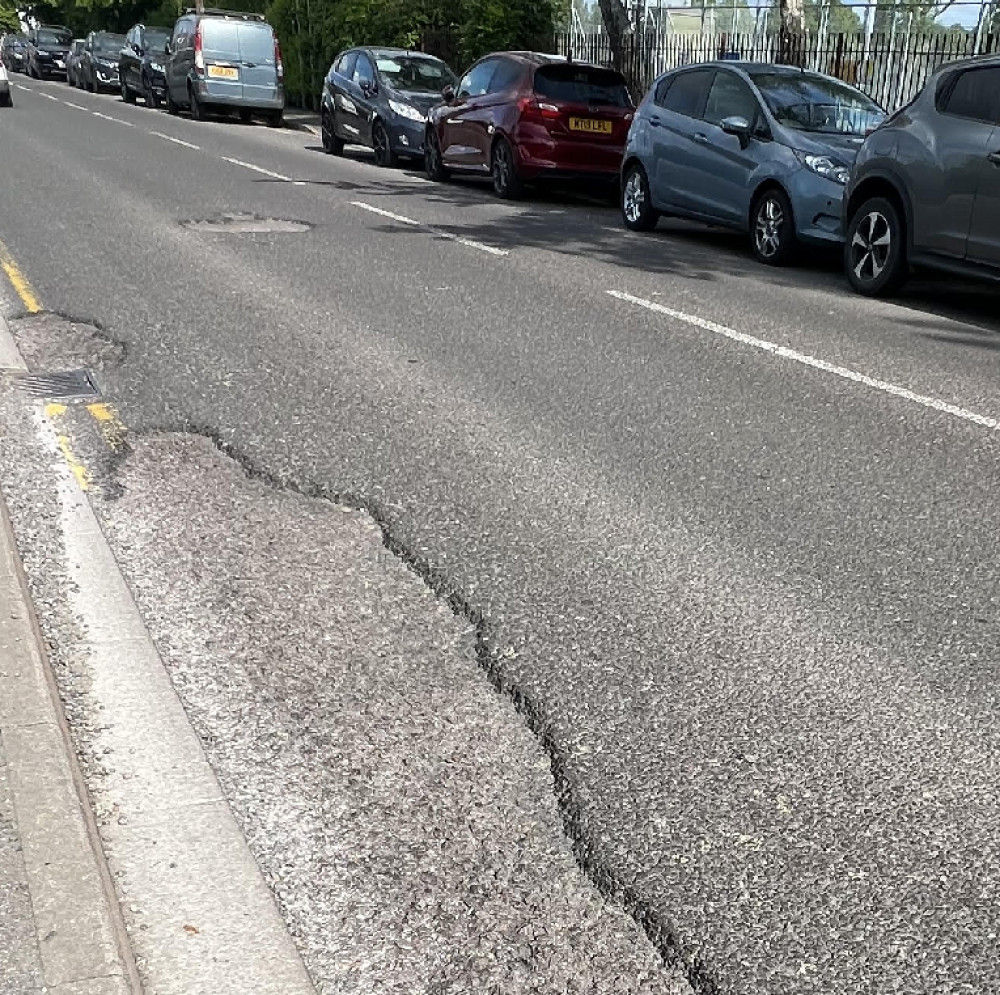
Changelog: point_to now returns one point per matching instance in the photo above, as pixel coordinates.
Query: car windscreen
(569, 84)
(54, 38)
(807, 102)
(109, 44)
(403, 72)
(155, 41)
(257, 43)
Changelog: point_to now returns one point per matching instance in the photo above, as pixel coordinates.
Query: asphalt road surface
(728, 535)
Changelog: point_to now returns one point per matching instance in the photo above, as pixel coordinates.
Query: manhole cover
(246, 224)
(64, 386)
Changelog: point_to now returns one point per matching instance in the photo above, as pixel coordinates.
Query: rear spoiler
(233, 15)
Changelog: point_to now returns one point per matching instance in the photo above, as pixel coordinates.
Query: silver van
(223, 60)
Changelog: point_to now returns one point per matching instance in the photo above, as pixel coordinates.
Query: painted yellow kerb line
(19, 281)
(54, 413)
(111, 426)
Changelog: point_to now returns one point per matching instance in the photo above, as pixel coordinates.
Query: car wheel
(244, 115)
(506, 182)
(127, 95)
(433, 159)
(332, 145)
(276, 119)
(875, 249)
(196, 107)
(773, 228)
(384, 156)
(6, 100)
(637, 207)
(172, 108)
(149, 94)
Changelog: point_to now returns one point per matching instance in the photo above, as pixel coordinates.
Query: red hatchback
(521, 116)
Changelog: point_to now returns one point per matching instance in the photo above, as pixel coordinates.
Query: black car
(14, 53)
(380, 97)
(48, 45)
(99, 61)
(73, 61)
(140, 65)
(925, 191)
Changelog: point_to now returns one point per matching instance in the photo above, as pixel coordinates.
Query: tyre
(244, 115)
(92, 85)
(384, 156)
(772, 228)
(506, 182)
(128, 95)
(172, 108)
(6, 100)
(196, 106)
(276, 119)
(433, 159)
(149, 94)
(875, 249)
(637, 206)
(332, 145)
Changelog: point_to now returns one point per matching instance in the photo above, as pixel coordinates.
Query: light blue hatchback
(760, 148)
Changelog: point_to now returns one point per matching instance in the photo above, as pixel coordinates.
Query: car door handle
(994, 157)
(655, 122)
(700, 138)
(250, 65)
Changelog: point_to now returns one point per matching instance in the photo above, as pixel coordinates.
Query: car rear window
(582, 85)
(220, 36)
(53, 38)
(257, 43)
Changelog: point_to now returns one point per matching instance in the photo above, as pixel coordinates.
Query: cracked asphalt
(745, 610)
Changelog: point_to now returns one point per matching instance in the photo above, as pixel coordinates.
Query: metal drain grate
(63, 386)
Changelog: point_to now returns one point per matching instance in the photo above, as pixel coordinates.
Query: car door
(344, 107)
(462, 122)
(178, 62)
(953, 161)
(674, 120)
(363, 89)
(984, 234)
(128, 60)
(259, 66)
(722, 164)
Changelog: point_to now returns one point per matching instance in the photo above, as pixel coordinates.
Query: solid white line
(257, 169)
(817, 364)
(176, 141)
(402, 219)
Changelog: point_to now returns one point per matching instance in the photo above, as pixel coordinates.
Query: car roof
(390, 53)
(545, 59)
(976, 62)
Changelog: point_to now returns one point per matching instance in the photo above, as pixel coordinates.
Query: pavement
(523, 578)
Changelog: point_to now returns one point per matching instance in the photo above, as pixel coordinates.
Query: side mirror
(167, 48)
(738, 126)
(448, 94)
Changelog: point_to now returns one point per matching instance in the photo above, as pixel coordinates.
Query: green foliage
(8, 17)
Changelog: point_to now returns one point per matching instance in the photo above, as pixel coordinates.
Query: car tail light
(278, 65)
(199, 55)
(533, 109)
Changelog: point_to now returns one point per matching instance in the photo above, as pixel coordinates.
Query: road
(727, 535)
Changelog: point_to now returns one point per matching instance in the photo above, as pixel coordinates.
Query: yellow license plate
(590, 125)
(223, 72)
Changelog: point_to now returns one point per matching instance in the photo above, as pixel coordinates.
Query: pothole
(246, 224)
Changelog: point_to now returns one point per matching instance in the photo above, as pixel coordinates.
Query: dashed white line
(817, 364)
(176, 141)
(402, 219)
(264, 172)
(116, 120)
(47, 96)
(76, 107)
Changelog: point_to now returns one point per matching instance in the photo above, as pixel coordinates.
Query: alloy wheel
(634, 198)
(380, 139)
(502, 167)
(871, 247)
(769, 227)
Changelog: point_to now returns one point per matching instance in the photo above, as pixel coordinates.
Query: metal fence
(890, 68)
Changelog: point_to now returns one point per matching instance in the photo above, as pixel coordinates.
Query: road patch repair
(302, 778)
(246, 224)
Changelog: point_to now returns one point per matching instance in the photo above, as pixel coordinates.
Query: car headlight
(824, 166)
(106, 64)
(407, 111)
(156, 67)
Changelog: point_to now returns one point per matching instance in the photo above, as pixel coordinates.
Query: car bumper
(221, 95)
(49, 69)
(407, 137)
(107, 78)
(818, 206)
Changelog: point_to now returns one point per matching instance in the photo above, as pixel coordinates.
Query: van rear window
(218, 35)
(571, 84)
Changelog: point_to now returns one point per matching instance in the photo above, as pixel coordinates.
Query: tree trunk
(617, 25)
(793, 26)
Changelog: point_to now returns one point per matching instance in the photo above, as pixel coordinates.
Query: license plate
(223, 72)
(590, 125)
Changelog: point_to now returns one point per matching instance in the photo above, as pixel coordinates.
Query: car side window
(364, 72)
(975, 95)
(688, 93)
(729, 96)
(662, 87)
(507, 75)
(347, 63)
(476, 81)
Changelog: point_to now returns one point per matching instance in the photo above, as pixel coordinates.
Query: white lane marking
(76, 107)
(117, 120)
(817, 364)
(41, 93)
(176, 141)
(402, 219)
(264, 172)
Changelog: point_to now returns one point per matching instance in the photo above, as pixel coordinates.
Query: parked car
(225, 61)
(925, 191)
(6, 100)
(14, 53)
(73, 62)
(760, 148)
(523, 116)
(380, 97)
(47, 48)
(99, 61)
(140, 66)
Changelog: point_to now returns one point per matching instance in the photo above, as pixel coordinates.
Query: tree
(9, 20)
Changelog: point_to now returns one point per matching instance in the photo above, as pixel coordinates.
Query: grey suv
(926, 187)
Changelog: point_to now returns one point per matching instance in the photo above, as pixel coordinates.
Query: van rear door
(220, 46)
(259, 70)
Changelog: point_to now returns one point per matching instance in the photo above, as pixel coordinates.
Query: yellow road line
(19, 281)
(55, 412)
(111, 426)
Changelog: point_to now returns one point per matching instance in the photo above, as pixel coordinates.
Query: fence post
(838, 59)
